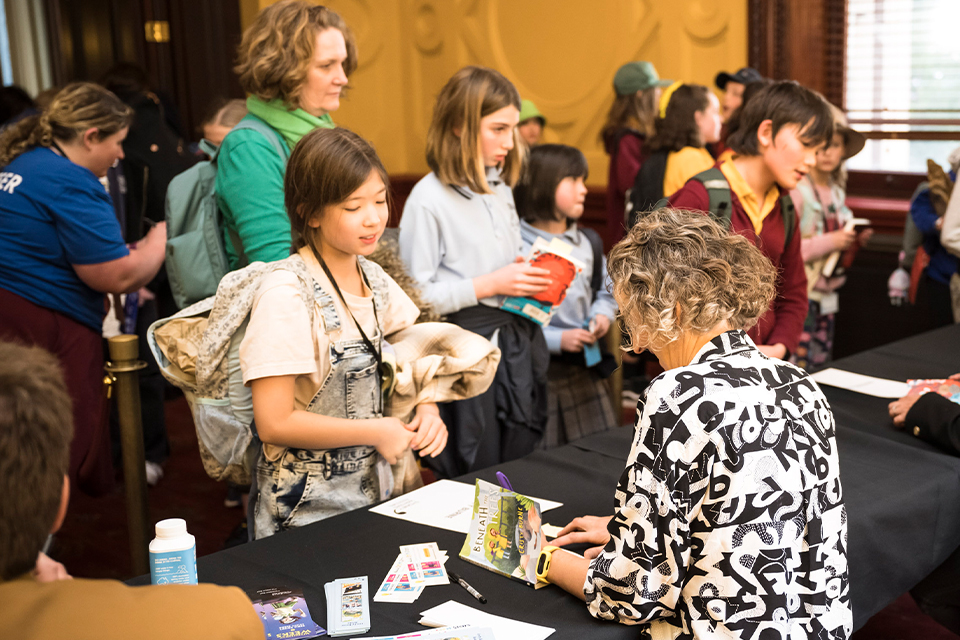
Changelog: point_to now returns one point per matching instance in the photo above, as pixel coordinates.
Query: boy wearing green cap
(531, 124)
(629, 124)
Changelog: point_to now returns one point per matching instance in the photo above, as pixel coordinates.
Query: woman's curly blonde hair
(77, 108)
(277, 50)
(683, 260)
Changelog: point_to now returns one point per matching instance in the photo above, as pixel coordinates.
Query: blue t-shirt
(54, 214)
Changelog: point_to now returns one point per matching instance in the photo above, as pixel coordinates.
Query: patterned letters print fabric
(729, 518)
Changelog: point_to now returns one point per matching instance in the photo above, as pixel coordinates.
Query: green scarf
(292, 125)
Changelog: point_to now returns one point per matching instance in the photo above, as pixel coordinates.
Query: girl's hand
(517, 279)
(585, 529)
(842, 239)
(864, 237)
(601, 324)
(394, 438)
(572, 340)
(431, 432)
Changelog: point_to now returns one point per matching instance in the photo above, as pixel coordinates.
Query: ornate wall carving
(561, 54)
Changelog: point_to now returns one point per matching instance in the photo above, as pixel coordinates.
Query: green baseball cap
(637, 76)
(529, 110)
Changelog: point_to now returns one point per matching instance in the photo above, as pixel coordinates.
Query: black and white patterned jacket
(729, 517)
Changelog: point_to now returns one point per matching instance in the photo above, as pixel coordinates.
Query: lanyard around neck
(375, 351)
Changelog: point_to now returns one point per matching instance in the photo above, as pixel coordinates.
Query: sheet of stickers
(418, 566)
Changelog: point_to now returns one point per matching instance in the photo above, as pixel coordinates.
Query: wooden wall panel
(561, 54)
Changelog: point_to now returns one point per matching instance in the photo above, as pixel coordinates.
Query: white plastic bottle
(173, 554)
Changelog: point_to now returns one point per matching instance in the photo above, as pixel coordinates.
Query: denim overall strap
(307, 485)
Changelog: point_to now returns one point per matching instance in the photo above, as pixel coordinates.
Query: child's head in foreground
(36, 426)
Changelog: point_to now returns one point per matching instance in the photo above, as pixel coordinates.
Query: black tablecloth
(902, 497)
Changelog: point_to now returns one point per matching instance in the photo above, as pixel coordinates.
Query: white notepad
(444, 504)
(878, 387)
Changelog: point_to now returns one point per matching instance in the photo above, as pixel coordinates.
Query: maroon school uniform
(625, 161)
(783, 321)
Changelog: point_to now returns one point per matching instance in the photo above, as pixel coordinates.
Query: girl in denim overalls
(314, 364)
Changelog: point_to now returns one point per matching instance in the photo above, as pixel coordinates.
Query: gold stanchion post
(122, 374)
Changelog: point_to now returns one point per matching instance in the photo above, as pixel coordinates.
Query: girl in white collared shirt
(460, 239)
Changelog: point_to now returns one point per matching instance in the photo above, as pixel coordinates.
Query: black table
(902, 498)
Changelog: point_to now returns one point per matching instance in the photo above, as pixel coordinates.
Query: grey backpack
(196, 257)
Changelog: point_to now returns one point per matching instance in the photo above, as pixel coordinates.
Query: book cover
(284, 614)
(949, 388)
(504, 534)
(554, 256)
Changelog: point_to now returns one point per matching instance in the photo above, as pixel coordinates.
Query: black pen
(463, 583)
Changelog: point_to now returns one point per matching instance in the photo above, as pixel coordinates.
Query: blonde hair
(470, 95)
(226, 113)
(676, 259)
(277, 50)
(77, 108)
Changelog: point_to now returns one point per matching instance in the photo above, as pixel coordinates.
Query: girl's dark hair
(784, 102)
(752, 89)
(326, 166)
(678, 129)
(547, 165)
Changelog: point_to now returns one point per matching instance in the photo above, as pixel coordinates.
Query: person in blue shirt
(549, 199)
(928, 220)
(62, 250)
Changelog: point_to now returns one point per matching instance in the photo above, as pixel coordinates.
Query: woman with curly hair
(729, 518)
(62, 251)
(294, 63)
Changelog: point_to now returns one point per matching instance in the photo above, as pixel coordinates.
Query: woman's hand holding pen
(431, 432)
(516, 279)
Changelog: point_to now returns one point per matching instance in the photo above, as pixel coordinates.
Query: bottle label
(174, 567)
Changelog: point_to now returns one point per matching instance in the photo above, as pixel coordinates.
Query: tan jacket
(108, 609)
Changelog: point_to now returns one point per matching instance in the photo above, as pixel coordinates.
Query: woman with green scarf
(293, 63)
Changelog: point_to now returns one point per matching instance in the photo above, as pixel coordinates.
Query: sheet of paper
(444, 504)
(452, 612)
(397, 586)
(459, 632)
(427, 562)
(878, 387)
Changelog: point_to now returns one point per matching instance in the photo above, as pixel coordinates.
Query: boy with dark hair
(35, 432)
(780, 130)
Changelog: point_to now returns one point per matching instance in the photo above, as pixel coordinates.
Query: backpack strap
(718, 192)
(596, 243)
(254, 123)
(721, 202)
(647, 190)
(789, 213)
